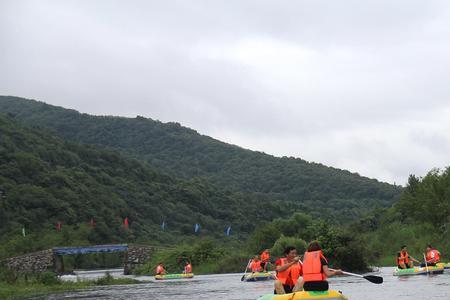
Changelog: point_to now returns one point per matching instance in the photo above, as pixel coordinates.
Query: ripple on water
(229, 287)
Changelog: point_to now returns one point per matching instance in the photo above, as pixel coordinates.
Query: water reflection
(230, 287)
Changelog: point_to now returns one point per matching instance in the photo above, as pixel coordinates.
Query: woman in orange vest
(188, 268)
(315, 269)
(160, 269)
(288, 272)
(255, 265)
(404, 260)
(265, 259)
(432, 256)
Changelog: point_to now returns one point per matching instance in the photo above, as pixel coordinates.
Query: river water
(229, 286)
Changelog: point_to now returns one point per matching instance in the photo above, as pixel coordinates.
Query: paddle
(426, 264)
(371, 278)
(245, 272)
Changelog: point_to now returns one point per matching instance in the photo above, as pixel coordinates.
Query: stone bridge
(52, 259)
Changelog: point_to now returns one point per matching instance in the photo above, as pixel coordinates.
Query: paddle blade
(374, 279)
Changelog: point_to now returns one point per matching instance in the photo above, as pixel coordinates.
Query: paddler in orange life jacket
(188, 268)
(288, 272)
(255, 265)
(315, 269)
(265, 259)
(404, 260)
(160, 269)
(432, 256)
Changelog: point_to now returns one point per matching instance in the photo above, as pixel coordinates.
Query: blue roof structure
(90, 249)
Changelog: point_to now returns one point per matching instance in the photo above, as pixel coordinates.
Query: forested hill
(44, 179)
(182, 152)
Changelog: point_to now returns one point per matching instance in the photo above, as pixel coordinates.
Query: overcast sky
(359, 85)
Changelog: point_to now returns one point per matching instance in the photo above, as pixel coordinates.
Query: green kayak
(174, 276)
(419, 271)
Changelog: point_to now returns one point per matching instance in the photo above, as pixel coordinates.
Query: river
(229, 286)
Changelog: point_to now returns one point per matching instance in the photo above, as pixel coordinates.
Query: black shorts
(423, 265)
(407, 266)
(287, 289)
(316, 286)
(263, 264)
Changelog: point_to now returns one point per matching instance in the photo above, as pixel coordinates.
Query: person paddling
(160, 270)
(255, 265)
(288, 272)
(315, 269)
(404, 260)
(188, 268)
(432, 257)
(265, 260)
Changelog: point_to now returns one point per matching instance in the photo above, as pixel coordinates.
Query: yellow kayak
(330, 294)
(259, 276)
(444, 265)
(174, 276)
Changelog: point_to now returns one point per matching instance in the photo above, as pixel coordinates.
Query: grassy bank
(36, 286)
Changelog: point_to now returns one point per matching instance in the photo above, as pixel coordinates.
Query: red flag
(58, 226)
(125, 222)
(92, 223)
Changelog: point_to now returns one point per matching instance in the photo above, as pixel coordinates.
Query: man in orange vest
(432, 256)
(255, 265)
(265, 259)
(315, 269)
(160, 269)
(288, 272)
(404, 260)
(188, 268)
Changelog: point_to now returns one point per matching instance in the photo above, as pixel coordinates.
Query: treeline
(421, 217)
(340, 245)
(183, 153)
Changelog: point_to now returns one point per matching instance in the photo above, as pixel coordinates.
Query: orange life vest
(433, 256)
(255, 266)
(403, 258)
(292, 273)
(159, 269)
(265, 256)
(188, 268)
(312, 266)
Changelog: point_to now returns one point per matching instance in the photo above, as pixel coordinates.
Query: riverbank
(22, 289)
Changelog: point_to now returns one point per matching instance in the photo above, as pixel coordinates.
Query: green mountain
(45, 179)
(183, 153)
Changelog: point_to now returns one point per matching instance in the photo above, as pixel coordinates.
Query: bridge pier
(136, 256)
(58, 264)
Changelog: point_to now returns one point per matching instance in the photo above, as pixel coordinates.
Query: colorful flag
(228, 231)
(197, 228)
(58, 226)
(125, 223)
(23, 231)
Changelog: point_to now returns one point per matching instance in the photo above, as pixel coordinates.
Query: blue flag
(163, 225)
(197, 228)
(228, 231)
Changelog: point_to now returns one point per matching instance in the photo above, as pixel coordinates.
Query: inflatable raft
(259, 276)
(419, 271)
(174, 276)
(330, 294)
(445, 265)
